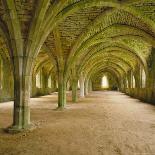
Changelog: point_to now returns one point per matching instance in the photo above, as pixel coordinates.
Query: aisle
(104, 123)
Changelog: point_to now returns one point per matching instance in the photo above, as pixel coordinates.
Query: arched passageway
(68, 46)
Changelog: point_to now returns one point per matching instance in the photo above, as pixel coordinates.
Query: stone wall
(143, 94)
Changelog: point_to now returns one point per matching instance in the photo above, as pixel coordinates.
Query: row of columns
(63, 86)
(21, 117)
(84, 88)
(144, 83)
(22, 83)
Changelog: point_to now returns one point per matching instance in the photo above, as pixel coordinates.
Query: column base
(60, 108)
(82, 96)
(17, 129)
(74, 100)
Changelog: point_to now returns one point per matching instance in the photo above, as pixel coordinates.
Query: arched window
(49, 82)
(143, 78)
(56, 84)
(127, 83)
(78, 84)
(105, 83)
(133, 82)
(38, 80)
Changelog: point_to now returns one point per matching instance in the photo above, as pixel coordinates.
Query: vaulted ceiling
(88, 36)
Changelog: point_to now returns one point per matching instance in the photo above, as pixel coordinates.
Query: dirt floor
(103, 123)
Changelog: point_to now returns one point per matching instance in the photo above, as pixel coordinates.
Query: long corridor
(103, 123)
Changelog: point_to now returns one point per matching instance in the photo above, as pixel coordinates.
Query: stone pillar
(44, 80)
(54, 84)
(129, 80)
(86, 87)
(150, 79)
(90, 86)
(138, 77)
(61, 90)
(81, 86)
(33, 87)
(123, 85)
(68, 86)
(74, 90)
(22, 85)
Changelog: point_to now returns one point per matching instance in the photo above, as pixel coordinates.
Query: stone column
(33, 87)
(81, 86)
(123, 85)
(150, 79)
(86, 87)
(22, 85)
(68, 86)
(61, 90)
(44, 82)
(54, 84)
(129, 80)
(74, 90)
(138, 77)
(90, 86)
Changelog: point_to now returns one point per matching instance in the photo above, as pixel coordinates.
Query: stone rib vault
(61, 45)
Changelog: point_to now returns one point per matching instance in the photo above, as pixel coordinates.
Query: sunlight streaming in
(105, 83)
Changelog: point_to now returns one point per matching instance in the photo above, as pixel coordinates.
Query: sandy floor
(104, 123)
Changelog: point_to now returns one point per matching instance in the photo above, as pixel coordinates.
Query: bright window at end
(105, 83)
